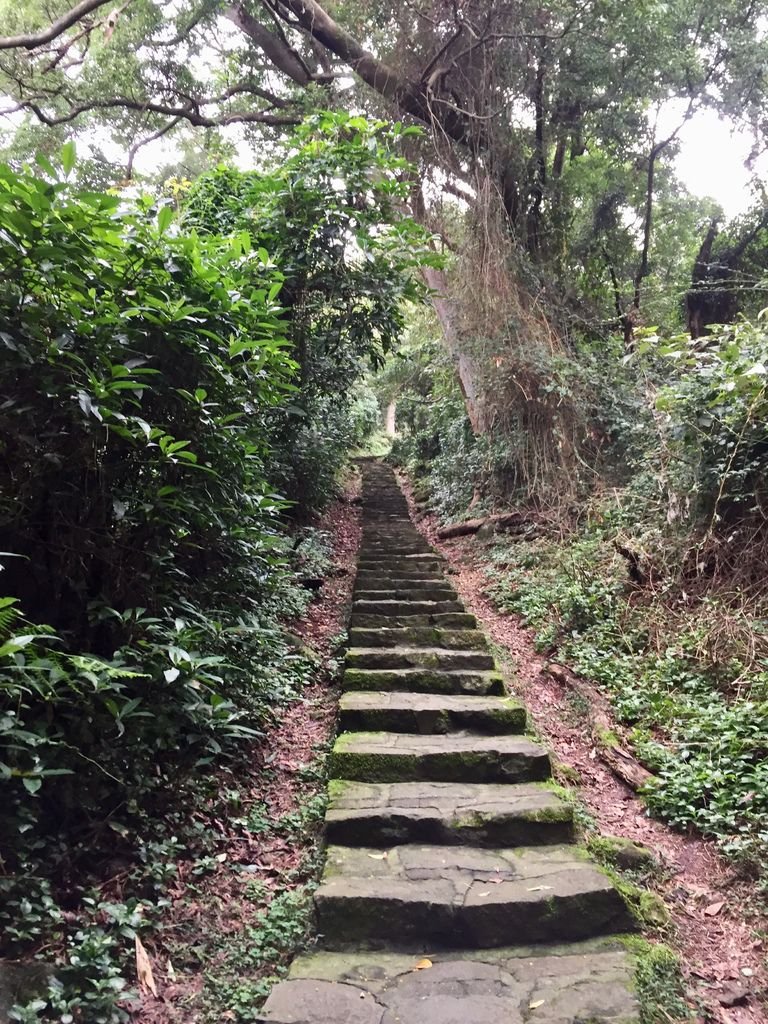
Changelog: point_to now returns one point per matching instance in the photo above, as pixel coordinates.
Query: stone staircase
(453, 892)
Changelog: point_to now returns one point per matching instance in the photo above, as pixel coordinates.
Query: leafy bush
(331, 218)
(717, 410)
(149, 379)
(695, 723)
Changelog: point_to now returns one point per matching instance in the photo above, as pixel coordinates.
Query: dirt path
(722, 953)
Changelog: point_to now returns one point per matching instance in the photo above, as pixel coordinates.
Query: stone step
(430, 713)
(464, 896)
(406, 607)
(449, 813)
(417, 636)
(379, 581)
(565, 984)
(408, 757)
(417, 657)
(417, 680)
(447, 620)
(408, 563)
(442, 592)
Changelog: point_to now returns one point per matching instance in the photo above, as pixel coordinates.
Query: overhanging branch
(32, 40)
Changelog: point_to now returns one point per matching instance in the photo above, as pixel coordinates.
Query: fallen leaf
(422, 965)
(536, 1004)
(714, 908)
(144, 969)
(171, 972)
(377, 856)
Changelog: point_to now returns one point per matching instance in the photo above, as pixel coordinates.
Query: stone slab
(401, 757)
(418, 680)
(417, 657)
(387, 814)
(586, 982)
(447, 620)
(405, 607)
(430, 713)
(418, 636)
(443, 592)
(464, 896)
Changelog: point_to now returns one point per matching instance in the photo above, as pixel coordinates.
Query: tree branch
(190, 113)
(279, 52)
(144, 142)
(410, 97)
(34, 39)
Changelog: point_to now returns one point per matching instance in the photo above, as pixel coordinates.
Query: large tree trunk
(435, 279)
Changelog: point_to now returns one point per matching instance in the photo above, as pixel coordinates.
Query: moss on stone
(658, 981)
(621, 853)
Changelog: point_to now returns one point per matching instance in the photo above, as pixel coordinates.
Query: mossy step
(418, 680)
(417, 657)
(430, 713)
(409, 563)
(441, 592)
(407, 757)
(446, 620)
(462, 896)
(564, 984)
(393, 547)
(406, 607)
(383, 582)
(418, 636)
(449, 813)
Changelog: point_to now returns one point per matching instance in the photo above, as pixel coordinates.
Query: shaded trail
(452, 892)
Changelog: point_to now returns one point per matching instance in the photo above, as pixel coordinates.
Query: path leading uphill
(453, 892)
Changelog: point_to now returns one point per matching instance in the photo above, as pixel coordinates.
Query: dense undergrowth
(646, 574)
(180, 389)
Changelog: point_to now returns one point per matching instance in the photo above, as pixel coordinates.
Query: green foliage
(330, 218)
(238, 981)
(659, 982)
(695, 723)
(717, 409)
(149, 381)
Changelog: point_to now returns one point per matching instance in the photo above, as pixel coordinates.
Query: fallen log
(502, 521)
(607, 744)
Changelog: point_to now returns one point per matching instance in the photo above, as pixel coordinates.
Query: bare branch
(283, 56)
(190, 113)
(35, 39)
(144, 142)
(410, 97)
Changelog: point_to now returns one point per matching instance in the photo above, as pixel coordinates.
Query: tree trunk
(435, 279)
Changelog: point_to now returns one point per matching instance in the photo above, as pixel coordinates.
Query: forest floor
(712, 924)
(229, 935)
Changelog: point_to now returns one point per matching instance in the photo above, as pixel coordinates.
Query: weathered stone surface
(392, 579)
(586, 983)
(461, 896)
(406, 607)
(430, 713)
(399, 757)
(440, 837)
(448, 620)
(417, 657)
(447, 813)
(418, 680)
(418, 636)
(434, 593)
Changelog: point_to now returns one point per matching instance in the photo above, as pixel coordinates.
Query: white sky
(711, 160)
